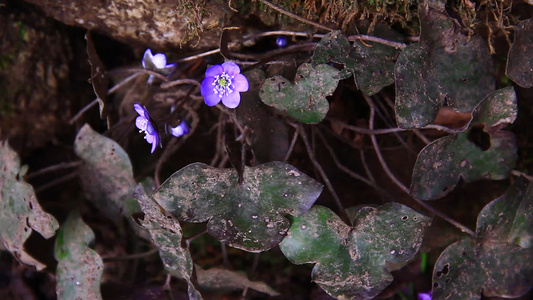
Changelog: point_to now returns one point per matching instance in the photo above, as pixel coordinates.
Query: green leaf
(20, 211)
(442, 163)
(79, 268)
(519, 63)
(509, 218)
(446, 68)
(166, 235)
(371, 64)
(351, 262)
(499, 263)
(106, 175)
(224, 281)
(305, 100)
(248, 216)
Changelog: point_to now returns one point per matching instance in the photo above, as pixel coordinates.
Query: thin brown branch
(385, 167)
(376, 39)
(289, 14)
(323, 174)
(347, 170)
(53, 168)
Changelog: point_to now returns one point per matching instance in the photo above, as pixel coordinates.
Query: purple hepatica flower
(224, 82)
(181, 129)
(157, 63)
(144, 123)
(424, 296)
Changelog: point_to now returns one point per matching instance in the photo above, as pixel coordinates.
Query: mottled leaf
(305, 100)
(351, 261)
(519, 62)
(106, 174)
(509, 218)
(443, 162)
(20, 212)
(499, 263)
(446, 68)
(166, 235)
(248, 216)
(371, 64)
(99, 78)
(224, 281)
(79, 268)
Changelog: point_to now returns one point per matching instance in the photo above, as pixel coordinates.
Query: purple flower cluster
(146, 125)
(223, 83)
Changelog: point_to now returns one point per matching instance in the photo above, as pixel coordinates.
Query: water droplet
(254, 216)
(285, 195)
(401, 251)
(77, 283)
(303, 226)
(392, 251)
(239, 205)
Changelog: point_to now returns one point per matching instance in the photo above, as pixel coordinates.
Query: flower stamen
(223, 84)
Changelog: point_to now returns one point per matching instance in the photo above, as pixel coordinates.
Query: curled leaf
(20, 212)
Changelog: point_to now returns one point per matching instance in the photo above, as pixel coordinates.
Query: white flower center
(223, 84)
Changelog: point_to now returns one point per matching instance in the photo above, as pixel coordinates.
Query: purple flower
(181, 129)
(144, 123)
(424, 296)
(158, 63)
(224, 82)
(281, 41)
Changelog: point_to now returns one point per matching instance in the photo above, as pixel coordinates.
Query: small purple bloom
(424, 296)
(281, 41)
(224, 82)
(158, 63)
(144, 123)
(181, 129)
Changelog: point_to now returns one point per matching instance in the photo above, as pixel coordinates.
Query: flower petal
(159, 60)
(212, 100)
(207, 87)
(147, 55)
(214, 71)
(231, 68)
(140, 109)
(232, 100)
(180, 130)
(240, 82)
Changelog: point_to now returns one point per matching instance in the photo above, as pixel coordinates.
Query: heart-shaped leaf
(442, 163)
(519, 62)
(106, 175)
(20, 211)
(79, 268)
(166, 235)
(351, 262)
(305, 100)
(499, 263)
(371, 64)
(446, 68)
(510, 217)
(248, 216)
